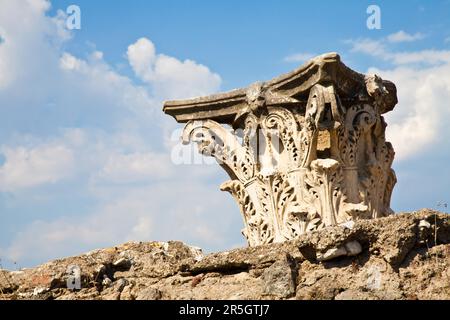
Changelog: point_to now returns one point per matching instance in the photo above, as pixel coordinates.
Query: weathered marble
(306, 150)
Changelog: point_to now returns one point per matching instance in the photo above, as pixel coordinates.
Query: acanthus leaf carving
(308, 156)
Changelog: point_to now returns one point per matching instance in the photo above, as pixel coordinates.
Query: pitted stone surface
(307, 149)
(385, 268)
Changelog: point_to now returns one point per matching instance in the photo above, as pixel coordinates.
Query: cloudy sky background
(85, 148)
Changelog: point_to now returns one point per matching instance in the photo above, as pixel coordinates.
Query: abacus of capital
(307, 149)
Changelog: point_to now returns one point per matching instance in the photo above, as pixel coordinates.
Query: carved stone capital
(312, 151)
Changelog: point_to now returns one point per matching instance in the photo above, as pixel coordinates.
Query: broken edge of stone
(391, 237)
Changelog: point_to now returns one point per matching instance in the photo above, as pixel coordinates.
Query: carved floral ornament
(306, 150)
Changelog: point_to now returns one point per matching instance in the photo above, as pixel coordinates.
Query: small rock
(106, 281)
(196, 280)
(126, 293)
(149, 294)
(350, 249)
(353, 248)
(111, 296)
(197, 253)
(40, 290)
(100, 269)
(348, 224)
(425, 232)
(332, 254)
(122, 263)
(25, 295)
(121, 284)
(374, 276)
(279, 279)
(424, 224)
(354, 295)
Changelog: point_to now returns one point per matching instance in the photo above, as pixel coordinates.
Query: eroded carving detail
(310, 154)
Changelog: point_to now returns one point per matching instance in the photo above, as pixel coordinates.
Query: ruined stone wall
(397, 257)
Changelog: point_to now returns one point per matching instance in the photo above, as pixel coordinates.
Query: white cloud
(32, 30)
(299, 57)
(69, 62)
(431, 57)
(169, 76)
(421, 118)
(135, 167)
(369, 46)
(379, 49)
(161, 212)
(31, 167)
(402, 36)
(142, 56)
(87, 122)
(96, 79)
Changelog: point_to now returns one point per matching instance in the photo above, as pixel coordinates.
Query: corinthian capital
(311, 150)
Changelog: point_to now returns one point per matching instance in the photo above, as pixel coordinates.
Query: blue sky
(84, 146)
